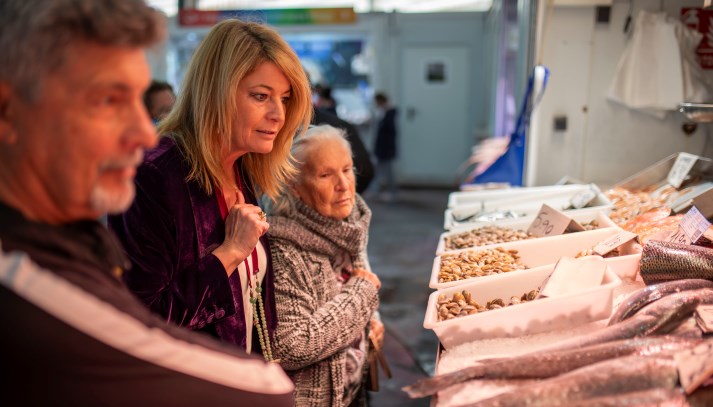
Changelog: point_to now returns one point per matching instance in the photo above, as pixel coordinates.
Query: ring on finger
(262, 215)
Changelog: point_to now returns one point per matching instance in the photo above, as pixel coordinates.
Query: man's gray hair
(34, 34)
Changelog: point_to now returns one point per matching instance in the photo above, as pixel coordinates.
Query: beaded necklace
(257, 303)
(254, 288)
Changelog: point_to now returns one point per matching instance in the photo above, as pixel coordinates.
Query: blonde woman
(195, 234)
(326, 296)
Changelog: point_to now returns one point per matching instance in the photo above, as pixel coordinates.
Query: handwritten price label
(549, 222)
(679, 236)
(681, 167)
(613, 242)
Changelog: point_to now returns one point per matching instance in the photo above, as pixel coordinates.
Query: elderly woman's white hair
(302, 147)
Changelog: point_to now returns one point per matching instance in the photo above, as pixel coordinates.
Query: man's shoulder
(53, 311)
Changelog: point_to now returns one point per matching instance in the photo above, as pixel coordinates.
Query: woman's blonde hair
(202, 119)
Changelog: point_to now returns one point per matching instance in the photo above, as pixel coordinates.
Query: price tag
(574, 226)
(694, 366)
(694, 224)
(704, 317)
(582, 199)
(549, 222)
(679, 236)
(613, 242)
(681, 167)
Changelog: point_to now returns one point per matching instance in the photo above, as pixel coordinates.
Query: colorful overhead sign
(297, 16)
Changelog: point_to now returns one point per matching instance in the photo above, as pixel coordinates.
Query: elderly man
(72, 131)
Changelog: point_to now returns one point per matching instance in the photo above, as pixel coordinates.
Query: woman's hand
(367, 275)
(243, 227)
(376, 332)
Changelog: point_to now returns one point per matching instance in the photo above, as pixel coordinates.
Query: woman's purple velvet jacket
(169, 234)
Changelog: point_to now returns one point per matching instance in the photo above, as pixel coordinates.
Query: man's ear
(8, 134)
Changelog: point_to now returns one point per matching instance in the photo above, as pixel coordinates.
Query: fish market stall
(467, 354)
(528, 312)
(606, 362)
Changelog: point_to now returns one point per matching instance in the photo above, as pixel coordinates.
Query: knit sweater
(317, 321)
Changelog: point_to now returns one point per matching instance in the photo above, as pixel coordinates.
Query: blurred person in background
(384, 150)
(326, 294)
(195, 233)
(73, 129)
(325, 100)
(159, 99)
(364, 168)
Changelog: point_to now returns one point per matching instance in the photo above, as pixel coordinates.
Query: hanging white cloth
(658, 69)
(697, 83)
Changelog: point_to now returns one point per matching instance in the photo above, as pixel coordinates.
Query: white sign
(704, 317)
(681, 167)
(572, 275)
(582, 199)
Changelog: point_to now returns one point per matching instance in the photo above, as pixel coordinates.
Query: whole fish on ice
(659, 317)
(647, 295)
(547, 364)
(608, 378)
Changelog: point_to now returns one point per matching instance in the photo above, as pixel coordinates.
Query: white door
(434, 116)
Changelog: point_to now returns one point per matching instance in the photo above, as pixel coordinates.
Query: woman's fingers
(246, 216)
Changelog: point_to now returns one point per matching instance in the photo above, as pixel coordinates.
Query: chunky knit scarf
(319, 234)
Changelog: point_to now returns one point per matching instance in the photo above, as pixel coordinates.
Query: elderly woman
(325, 294)
(194, 234)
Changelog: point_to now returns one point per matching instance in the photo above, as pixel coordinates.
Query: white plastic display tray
(533, 252)
(461, 198)
(522, 224)
(542, 315)
(525, 207)
(656, 174)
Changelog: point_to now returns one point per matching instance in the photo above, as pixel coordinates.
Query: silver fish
(607, 378)
(644, 398)
(660, 317)
(547, 364)
(649, 294)
(667, 261)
